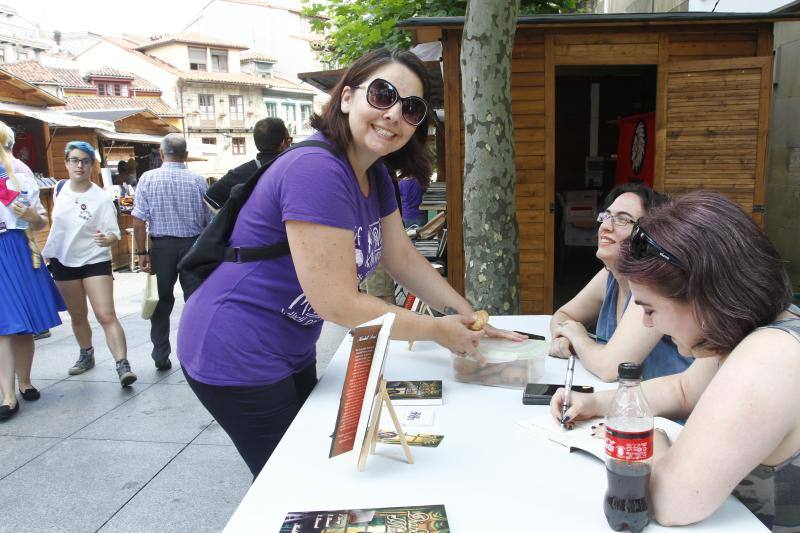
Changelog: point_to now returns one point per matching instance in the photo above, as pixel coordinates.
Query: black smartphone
(542, 393)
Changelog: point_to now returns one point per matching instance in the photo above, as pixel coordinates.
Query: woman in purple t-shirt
(247, 336)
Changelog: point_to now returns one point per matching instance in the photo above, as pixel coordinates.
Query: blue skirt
(29, 299)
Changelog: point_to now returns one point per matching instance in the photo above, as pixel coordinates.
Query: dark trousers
(165, 253)
(255, 418)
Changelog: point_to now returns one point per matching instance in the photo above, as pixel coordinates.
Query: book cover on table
(419, 392)
(364, 372)
(428, 518)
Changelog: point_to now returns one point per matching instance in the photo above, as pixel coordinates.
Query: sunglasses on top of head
(382, 95)
(643, 245)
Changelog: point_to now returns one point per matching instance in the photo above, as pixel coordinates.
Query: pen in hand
(567, 389)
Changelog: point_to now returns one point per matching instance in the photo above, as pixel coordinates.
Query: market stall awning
(53, 117)
(143, 138)
(197, 151)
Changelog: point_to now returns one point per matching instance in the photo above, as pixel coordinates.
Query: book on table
(581, 438)
(361, 382)
(423, 392)
(429, 518)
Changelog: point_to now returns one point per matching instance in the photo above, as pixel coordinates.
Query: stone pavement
(92, 456)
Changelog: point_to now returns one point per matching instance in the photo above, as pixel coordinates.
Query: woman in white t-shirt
(29, 301)
(84, 227)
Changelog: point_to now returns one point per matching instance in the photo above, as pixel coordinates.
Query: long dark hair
(413, 159)
(735, 280)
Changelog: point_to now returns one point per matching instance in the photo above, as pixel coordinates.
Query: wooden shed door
(714, 125)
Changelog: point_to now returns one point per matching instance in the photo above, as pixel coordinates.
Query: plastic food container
(508, 363)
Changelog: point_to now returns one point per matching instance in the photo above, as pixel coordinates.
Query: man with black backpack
(272, 138)
(170, 201)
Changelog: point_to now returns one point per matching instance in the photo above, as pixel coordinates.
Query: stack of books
(436, 195)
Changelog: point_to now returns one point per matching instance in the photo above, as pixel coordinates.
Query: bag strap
(240, 254)
(59, 186)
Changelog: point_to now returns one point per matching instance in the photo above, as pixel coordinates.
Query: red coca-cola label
(629, 446)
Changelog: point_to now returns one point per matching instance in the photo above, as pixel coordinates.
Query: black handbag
(211, 247)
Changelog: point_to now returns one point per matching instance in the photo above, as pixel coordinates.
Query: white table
(491, 474)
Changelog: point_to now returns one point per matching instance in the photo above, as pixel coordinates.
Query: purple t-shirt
(249, 324)
(411, 195)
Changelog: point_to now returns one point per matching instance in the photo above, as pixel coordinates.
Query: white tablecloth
(491, 474)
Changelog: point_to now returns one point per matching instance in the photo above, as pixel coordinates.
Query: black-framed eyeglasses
(618, 220)
(77, 161)
(643, 245)
(382, 95)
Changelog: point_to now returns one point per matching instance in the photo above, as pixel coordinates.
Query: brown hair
(647, 196)
(734, 278)
(413, 159)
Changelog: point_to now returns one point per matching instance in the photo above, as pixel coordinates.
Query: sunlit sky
(148, 17)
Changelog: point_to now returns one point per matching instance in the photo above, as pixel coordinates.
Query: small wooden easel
(371, 438)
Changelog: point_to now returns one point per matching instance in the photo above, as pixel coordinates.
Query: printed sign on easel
(364, 392)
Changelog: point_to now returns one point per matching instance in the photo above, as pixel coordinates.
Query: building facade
(220, 92)
(19, 38)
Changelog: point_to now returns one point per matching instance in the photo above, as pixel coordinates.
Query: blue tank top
(663, 360)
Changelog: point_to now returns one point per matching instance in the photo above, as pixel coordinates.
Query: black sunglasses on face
(643, 245)
(382, 95)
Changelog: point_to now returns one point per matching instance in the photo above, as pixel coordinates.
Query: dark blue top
(663, 360)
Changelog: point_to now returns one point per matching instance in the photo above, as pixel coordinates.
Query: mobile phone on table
(542, 393)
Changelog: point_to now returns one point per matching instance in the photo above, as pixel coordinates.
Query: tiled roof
(88, 103)
(207, 77)
(191, 38)
(282, 83)
(35, 72)
(223, 77)
(108, 72)
(256, 56)
(143, 85)
(32, 72)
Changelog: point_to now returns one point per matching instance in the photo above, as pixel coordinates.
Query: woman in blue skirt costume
(29, 300)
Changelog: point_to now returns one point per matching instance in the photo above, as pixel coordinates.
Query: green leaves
(352, 27)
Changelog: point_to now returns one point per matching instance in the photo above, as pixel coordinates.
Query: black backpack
(211, 247)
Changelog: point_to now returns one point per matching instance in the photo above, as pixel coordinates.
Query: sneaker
(126, 376)
(166, 364)
(85, 362)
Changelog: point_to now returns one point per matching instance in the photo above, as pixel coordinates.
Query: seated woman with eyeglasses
(707, 276)
(247, 336)
(605, 302)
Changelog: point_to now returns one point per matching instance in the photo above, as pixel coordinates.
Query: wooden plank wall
(528, 108)
(713, 127)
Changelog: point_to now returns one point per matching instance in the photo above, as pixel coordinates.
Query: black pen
(567, 389)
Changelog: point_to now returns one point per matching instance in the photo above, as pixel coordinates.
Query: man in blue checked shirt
(170, 201)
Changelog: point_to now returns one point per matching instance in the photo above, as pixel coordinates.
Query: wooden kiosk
(708, 78)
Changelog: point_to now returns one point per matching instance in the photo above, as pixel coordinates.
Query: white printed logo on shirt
(300, 311)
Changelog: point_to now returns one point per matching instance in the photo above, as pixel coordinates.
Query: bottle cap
(629, 371)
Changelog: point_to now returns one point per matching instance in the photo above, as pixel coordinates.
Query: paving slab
(16, 451)
(66, 407)
(161, 413)
(52, 361)
(78, 484)
(214, 435)
(198, 491)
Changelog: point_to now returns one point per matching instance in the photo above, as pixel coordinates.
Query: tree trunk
(491, 235)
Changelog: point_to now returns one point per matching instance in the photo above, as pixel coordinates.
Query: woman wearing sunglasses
(606, 302)
(247, 336)
(707, 276)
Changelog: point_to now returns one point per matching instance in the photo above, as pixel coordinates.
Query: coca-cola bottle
(629, 452)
